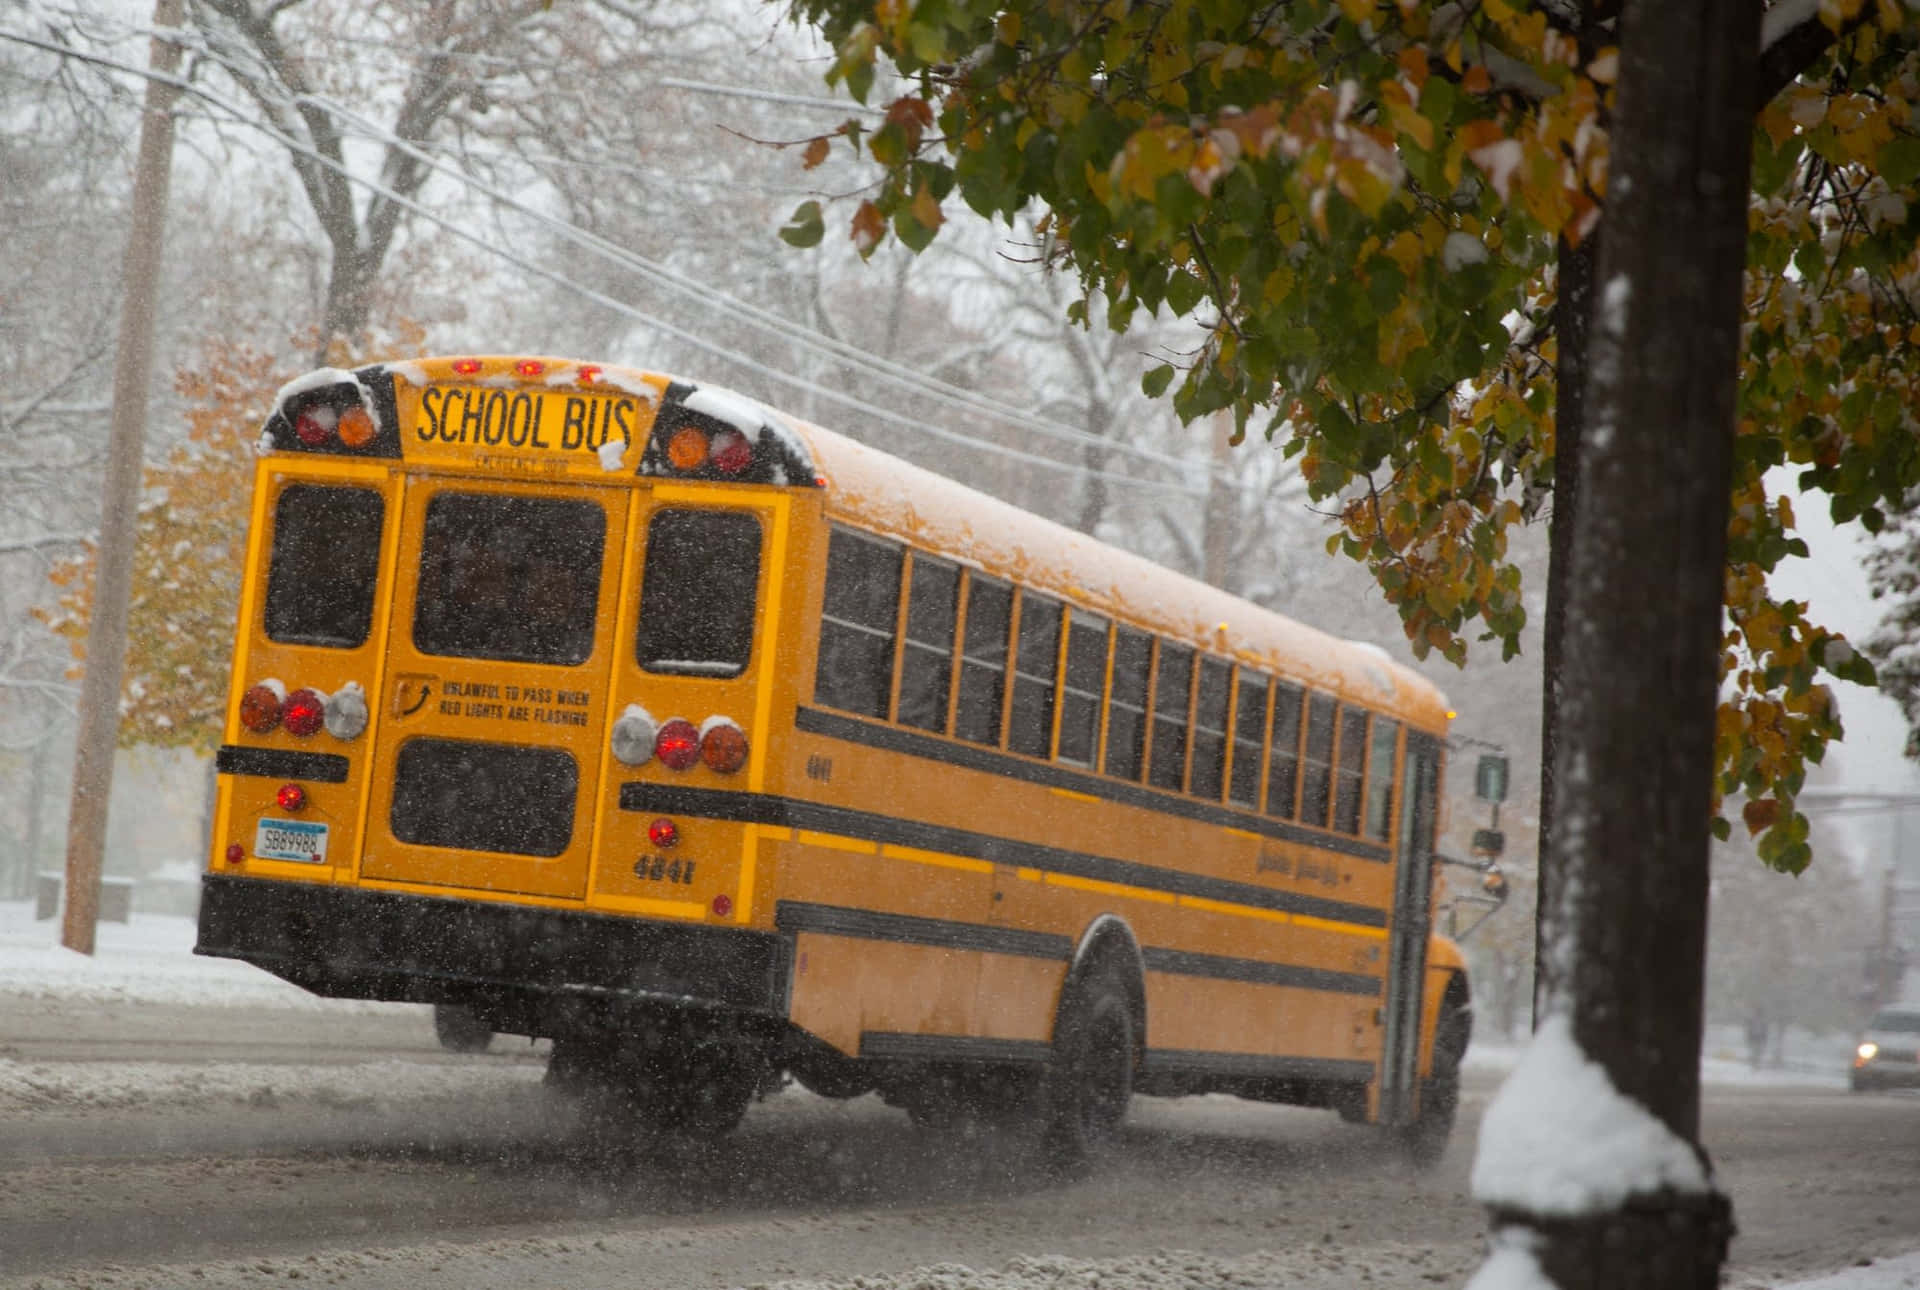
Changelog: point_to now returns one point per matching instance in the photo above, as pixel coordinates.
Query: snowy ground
(149, 961)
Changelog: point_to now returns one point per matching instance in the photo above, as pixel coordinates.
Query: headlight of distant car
(1867, 1051)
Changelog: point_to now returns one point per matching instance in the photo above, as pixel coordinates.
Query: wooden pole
(113, 575)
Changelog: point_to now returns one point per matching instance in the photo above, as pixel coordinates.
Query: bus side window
(697, 593)
(1035, 667)
(325, 565)
(1167, 763)
(1249, 738)
(1316, 771)
(1127, 705)
(983, 660)
(1380, 779)
(1210, 728)
(1347, 776)
(1081, 688)
(855, 670)
(1283, 761)
(926, 660)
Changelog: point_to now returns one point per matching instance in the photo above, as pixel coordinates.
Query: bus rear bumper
(532, 969)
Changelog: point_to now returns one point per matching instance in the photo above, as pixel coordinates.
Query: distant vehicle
(1889, 1053)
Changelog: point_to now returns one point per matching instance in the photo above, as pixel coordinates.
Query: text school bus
(710, 744)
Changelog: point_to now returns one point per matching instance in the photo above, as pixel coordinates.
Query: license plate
(297, 840)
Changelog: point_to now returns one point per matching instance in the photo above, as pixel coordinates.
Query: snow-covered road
(378, 1161)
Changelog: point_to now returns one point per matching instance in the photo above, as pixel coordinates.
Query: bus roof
(874, 490)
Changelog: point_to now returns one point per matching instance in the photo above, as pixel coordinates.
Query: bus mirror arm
(1489, 900)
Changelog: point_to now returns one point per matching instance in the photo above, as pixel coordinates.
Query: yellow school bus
(628, 712)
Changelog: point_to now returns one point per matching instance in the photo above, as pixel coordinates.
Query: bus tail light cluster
(718, 742)
(305, 711)
(691, 448)
(322, 424)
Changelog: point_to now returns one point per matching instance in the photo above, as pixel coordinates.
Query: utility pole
(113, 575)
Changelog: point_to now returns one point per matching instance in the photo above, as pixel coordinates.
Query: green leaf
(1155, 382)
(805, 227)
(1899, 161)
(1184, 291)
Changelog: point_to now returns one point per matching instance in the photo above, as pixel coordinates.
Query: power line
(620, 307)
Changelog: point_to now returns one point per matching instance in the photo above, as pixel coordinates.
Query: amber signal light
(260, 708)
(724, 748)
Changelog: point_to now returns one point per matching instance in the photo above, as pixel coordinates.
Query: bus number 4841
(661, 869)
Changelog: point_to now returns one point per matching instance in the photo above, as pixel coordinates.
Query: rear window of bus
(506, 577)
(325, 565)
(697, 593)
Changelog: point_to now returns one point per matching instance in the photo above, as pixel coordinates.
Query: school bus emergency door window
(1081, 686)
(509, 577)
(1353, 765)
(1249, 740)
(926, 659)
(983, 661)
(325, 565)
(1210, 729)
(1316, 770)
(1380, 762)
(1036, 664)
(1127, 704)
(1283, 761)
(855, 670)
(1172, 696)
(484, 797)
(697, 593)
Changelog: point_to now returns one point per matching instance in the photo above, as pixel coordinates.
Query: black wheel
(458, 1030)
(1089, 1078)
(696, 1090)
(1425, 1140)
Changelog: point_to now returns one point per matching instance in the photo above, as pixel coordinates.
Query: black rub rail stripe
(942, 933)
(1183, 963)
(767, 808)
(1176, 1061)
(951, 1048)
(279, 763)
(911, 929)
(834, 726)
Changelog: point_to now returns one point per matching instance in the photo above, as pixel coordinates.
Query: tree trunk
(1626, 878)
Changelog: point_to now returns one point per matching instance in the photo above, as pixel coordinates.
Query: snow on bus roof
(873, 489)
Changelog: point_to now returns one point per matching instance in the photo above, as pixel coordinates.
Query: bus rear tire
(1089, 1078)
(458, 1030)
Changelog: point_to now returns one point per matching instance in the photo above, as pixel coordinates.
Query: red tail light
(724, 746)
(663, 833)
(260, 707)
(305, 712)
(291, 797)
(730, 452)
(678, 744)
(316, 425)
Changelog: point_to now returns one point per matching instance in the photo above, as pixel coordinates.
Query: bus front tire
(458, 1030)
(1089, 1078)
(1425, 1140)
